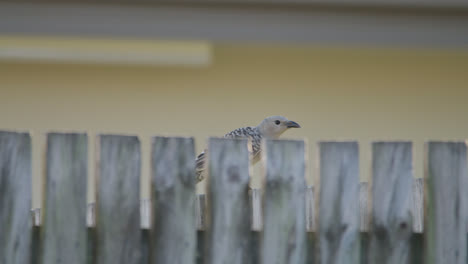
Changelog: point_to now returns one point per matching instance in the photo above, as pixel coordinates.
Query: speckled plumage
(270, 127)
(252, 133)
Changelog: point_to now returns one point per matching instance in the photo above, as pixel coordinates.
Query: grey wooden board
(36, 216)
(173, 236)
(310, 209)
(118, 200)
(392, 182)
(256, 209)
(446, 176)
(364, 206)
(201, 211)
(145, 213)
(228, 226)
(15, 197)
(418, 205)
(63, 234)
(284, 233)
(339, 203)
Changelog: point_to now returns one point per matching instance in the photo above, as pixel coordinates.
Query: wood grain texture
(173, 236)
(418, 205)
(392, 220)
(446, 183)
(15, 197)
(364, 212)
(118, 231)
(228, 227)
(284, 233)
(63, 235)
(201, 211)
(339, 203)
(36, 216)
(310, 209)
(255, 202)
(145, 213)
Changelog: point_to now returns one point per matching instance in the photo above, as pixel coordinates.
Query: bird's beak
(292, 124)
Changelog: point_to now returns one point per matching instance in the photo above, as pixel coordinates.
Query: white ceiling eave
(243, 23)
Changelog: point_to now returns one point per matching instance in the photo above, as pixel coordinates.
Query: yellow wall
(333, 93)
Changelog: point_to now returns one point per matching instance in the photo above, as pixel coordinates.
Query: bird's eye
(277, 122)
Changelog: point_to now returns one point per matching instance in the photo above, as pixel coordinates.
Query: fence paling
(173, 198)
(228, 227)
(65, 198)
(447, 181)
(15, 197)
(339, 203)
(392, 181)
(118, 194)
(284, 233)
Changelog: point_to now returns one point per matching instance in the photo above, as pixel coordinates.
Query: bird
(271, 127)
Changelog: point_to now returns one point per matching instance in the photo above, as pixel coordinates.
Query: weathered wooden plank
(418, 205)
(173, 236)
(255, 201)
(339, 203)
(118, 200)
(310, 209)
(36, 216)
(392, 220)
(15, 197)
(201, 211)
(364, 211)
(91, 215)
(284, 233)
(446, 185)
(145, 213)
(228, 226)
(63, 235)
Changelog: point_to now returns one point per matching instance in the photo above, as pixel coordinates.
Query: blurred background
(344, 69)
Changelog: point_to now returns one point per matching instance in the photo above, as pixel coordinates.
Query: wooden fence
(340, 220)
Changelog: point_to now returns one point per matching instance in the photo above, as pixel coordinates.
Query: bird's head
(274, 126)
